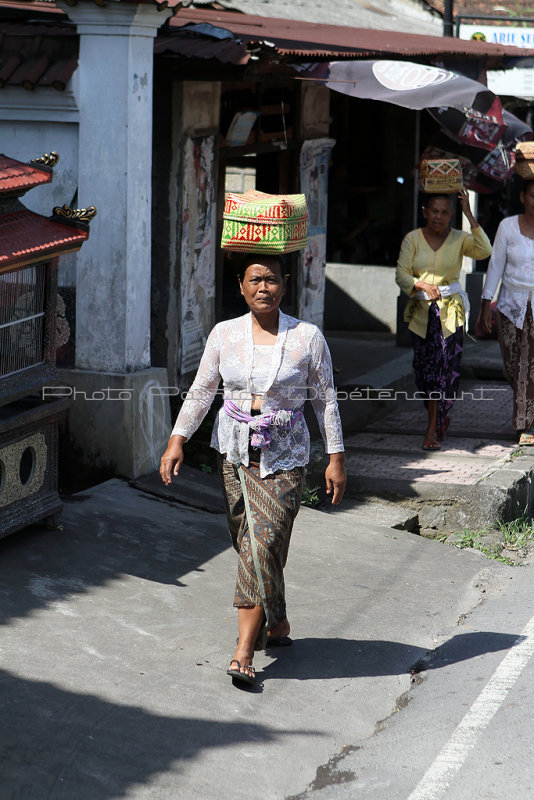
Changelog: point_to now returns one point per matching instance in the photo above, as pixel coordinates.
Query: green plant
(516, 453)
(310, 496)
(475, 540)
(519, 532)
(206, 468)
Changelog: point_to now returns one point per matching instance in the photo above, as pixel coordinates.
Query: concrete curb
(503, 494)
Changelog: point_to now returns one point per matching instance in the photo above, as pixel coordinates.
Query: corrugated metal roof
(16, 176)
(312, 40)
(24, 234)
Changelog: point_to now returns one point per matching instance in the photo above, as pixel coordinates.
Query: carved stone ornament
(77, 214)
(48, 160)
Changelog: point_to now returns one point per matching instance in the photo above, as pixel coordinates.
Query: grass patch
(475, 540)
(517, 535)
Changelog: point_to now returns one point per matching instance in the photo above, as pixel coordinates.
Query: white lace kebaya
(512, 261)
(301, 368)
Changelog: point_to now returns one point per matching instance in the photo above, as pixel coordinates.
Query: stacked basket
(256, 222)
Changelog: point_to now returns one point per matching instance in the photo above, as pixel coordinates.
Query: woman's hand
(431, 290)
(335, 477)
(172, 459)
(463, 196)
(484, 318)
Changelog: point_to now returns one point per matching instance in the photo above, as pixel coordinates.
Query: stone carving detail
(11, 487)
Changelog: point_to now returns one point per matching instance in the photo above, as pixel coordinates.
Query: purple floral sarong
(436, 362)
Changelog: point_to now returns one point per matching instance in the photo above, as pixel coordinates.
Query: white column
(119, 418)
(115, 165)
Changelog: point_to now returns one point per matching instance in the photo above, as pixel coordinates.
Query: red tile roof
(34, 53)
(295, 38)
(15, 176)
(26, 237)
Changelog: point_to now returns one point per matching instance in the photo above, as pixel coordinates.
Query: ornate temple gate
(30, 246)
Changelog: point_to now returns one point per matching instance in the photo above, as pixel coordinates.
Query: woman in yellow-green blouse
(428, 270)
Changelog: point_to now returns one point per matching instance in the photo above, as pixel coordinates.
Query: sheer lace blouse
(301, 367)
(262, 360)
(512, 262)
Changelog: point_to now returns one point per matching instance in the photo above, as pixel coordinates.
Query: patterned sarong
(274, 502)
(517, 349)
(436, 362)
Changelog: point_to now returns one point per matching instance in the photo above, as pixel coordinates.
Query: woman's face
(438, 214)
(263, 285)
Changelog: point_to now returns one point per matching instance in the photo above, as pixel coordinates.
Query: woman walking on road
(428, 271)
(512, 262)
(269, 363)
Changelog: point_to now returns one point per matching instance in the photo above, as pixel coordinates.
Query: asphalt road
(468, 731)
(117, 631)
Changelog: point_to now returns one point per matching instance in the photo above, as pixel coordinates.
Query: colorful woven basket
(256, 222)
(524, 160)
(441, 175)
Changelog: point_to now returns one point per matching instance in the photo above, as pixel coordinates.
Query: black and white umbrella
(469, 107)
(470, 114)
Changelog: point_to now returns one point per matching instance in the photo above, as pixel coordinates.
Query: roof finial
(48, 160)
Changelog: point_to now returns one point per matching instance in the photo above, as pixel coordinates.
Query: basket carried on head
(256, 222)
(524, 160)
(441, 176)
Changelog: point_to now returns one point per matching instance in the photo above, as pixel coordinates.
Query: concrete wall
(360, 298)
(366, 298)
(34, 123)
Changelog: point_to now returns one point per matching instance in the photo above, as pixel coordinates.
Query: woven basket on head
(440, 175)
(256, 222)
(524, 160)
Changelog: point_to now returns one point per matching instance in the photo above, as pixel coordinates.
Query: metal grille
(22, 295)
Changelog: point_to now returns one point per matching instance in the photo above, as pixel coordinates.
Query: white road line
(441, 772)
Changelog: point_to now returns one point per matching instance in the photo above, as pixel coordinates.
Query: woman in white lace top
(512, 265)
(270, 364)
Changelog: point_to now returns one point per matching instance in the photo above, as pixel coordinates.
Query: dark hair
(428, 197)
(524, 183)
(251, 258)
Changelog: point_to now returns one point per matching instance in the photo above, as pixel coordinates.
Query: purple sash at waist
(263, 423)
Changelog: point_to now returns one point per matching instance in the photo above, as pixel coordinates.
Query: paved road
(468, 730)
(117, 632)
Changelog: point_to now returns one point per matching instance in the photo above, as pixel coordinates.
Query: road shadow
(61, 745)
(108, 531)
(323, 659)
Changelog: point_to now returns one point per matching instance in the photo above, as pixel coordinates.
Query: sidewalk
(478, 475)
